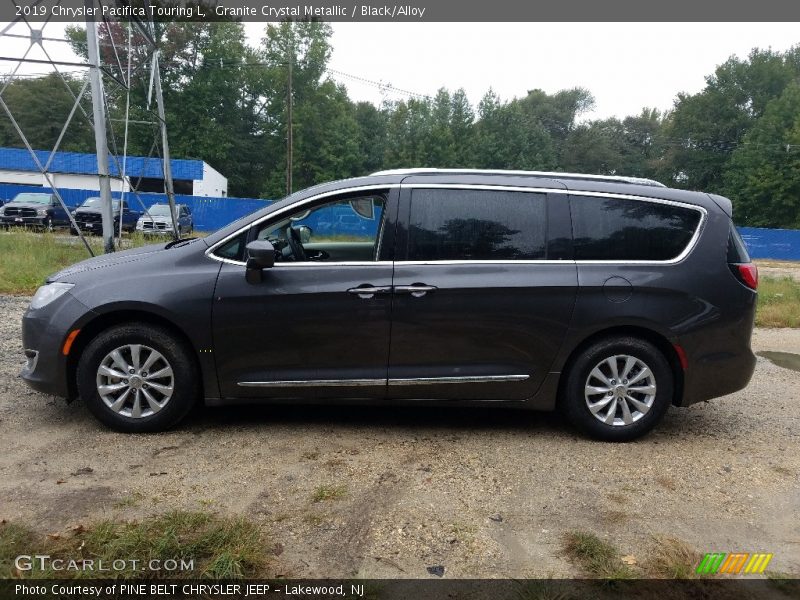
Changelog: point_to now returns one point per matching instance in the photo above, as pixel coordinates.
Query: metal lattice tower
(41, 49)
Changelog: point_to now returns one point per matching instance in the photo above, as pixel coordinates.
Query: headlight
(41, 212)
(49, 292)
(2, 211)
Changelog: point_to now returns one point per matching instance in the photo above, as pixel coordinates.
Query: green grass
(778, 302)
(220, 547)
(328, 492)
(595, 556)
(28, 257)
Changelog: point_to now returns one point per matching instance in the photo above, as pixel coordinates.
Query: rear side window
(737, 251)
(476, 225)
(619, 229)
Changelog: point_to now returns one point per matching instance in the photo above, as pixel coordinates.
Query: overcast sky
(626, 66)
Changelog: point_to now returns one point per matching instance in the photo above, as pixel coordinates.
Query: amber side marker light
(68, 342)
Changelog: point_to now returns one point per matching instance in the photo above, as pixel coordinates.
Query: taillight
(748, 274)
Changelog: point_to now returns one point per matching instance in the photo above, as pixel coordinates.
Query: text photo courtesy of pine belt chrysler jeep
(607, 298)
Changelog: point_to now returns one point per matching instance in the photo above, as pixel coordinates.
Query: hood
(156, 219)
(25, 205)
(91, 210)
(107, 260)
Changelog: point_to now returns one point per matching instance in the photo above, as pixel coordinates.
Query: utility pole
(289, 141)
(100, 139)
(168, 187)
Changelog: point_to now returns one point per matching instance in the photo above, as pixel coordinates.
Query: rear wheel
(618, 389)
(138, 378)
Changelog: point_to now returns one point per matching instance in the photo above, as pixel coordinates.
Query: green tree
(763, 177)
(41, 106)
(704, 128)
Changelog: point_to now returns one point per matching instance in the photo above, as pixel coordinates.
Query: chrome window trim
(483, 262)
(361, 188)
(686, 251)
(391, 381)
(462, 186)
(466, 186)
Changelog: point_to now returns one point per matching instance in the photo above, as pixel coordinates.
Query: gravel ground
(482, 493)
(779, 268)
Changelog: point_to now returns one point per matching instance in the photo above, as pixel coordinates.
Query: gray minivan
(607, 298)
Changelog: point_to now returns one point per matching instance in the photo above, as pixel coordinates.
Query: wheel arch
(650, 335)
(104, 321)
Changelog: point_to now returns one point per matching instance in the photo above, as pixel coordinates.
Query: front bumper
(44, 332)
(90, 226)
(23, 221)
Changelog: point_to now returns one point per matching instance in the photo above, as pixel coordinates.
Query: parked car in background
(34, 209)
(88, 216)
(607, 298)
(157, 220)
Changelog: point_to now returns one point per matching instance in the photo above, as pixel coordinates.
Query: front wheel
(618, 389)
(138, 378)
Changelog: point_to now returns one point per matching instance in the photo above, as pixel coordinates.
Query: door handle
(418, 290)
(368, 291)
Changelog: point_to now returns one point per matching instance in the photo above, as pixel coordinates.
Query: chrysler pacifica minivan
(609, 299)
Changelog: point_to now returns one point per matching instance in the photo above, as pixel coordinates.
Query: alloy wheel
(135, 380)
(620, 390)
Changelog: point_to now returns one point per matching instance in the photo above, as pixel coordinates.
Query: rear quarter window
(622, 229)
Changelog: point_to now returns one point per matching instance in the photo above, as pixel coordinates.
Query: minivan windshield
(32, 198)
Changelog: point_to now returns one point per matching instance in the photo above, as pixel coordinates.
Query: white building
(75, 170)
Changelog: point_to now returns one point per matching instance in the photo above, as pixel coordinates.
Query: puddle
(787, 360)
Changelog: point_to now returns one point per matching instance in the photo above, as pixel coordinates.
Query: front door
(481, 302)
(318, 323)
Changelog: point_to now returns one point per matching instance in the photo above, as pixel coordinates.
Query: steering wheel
(293, 238)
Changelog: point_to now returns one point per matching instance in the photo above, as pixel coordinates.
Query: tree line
(227, 104)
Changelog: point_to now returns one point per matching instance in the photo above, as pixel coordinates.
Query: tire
(182, 383)
(645, 406)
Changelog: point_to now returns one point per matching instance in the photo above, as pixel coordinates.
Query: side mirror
(305, 233)
(260, 255)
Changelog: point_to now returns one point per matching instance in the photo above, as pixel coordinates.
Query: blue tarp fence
(212, 213)
(209, 213)
(777, 244)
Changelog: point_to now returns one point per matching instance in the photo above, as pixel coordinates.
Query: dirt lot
(779, 268)
(483, 493)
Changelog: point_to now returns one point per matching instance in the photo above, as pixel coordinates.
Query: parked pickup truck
(34, 209)
(88, 216)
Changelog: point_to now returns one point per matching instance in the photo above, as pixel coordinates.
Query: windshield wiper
(175, 243)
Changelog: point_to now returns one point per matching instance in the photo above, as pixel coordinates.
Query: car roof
(511, 172)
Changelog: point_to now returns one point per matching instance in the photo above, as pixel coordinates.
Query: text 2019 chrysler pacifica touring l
(607, 298)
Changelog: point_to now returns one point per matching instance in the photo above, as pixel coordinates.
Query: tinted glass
(737, 251)
(616, 229)
(234, 249)
(476, 225)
